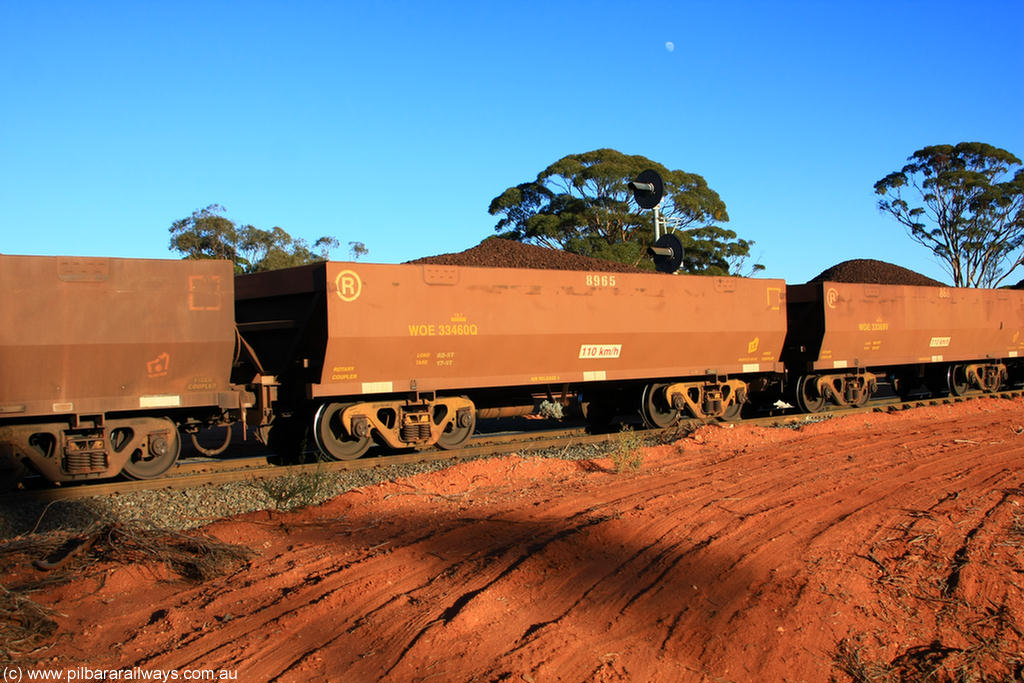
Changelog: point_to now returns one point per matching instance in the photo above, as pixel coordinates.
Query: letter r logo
(348, 285)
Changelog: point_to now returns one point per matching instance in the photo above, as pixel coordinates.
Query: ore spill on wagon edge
(874, 272)
(496, 252)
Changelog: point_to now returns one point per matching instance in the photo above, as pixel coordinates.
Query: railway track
(214, 472)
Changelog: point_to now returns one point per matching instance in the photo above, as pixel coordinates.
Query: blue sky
(396, 123)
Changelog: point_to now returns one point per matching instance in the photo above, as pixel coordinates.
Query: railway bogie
(714, 398)
(345, 431)
(663, 404)
(813, 392)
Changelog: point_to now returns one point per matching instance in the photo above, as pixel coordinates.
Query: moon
(670, 46)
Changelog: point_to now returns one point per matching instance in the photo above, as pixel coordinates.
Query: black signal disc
(648, 198)
(670, 262)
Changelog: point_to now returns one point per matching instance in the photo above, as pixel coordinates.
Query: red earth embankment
(736, 554)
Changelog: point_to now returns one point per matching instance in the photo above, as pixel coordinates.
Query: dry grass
(849, 658)
(292, 491)
(26, 626)
(628, 451)
(989, 658)
(195, 558)
(975, 640)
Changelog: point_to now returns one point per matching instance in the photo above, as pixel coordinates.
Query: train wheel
(956, 380)
(655, 408)
(160, 453)
(808, 397)
(458, 431)
(331, 438)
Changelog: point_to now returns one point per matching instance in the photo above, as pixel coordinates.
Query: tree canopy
(582, 204)
(964, 202)
(207, 234)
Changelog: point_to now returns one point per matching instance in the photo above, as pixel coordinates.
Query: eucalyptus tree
(582, 204)
(208, 234)
(964, 202)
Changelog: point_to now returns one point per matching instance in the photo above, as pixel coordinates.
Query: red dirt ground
(735, 554)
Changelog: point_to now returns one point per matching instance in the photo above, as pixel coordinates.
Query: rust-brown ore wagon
(413, 354)
(843, 335)
(101, 359)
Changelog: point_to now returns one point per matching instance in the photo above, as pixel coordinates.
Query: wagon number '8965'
(600, 280)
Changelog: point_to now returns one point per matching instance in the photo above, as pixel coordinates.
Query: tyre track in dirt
(737, 553)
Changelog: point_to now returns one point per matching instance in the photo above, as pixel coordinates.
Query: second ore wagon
(411, 355)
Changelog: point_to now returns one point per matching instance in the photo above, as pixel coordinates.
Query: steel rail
(192, 474)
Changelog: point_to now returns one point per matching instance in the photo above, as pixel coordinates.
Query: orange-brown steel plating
(407, 328)
(847, 325)
(87, 341)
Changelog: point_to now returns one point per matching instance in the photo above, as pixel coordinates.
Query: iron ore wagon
(843, 336)
(412, 355)
(102, 360)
